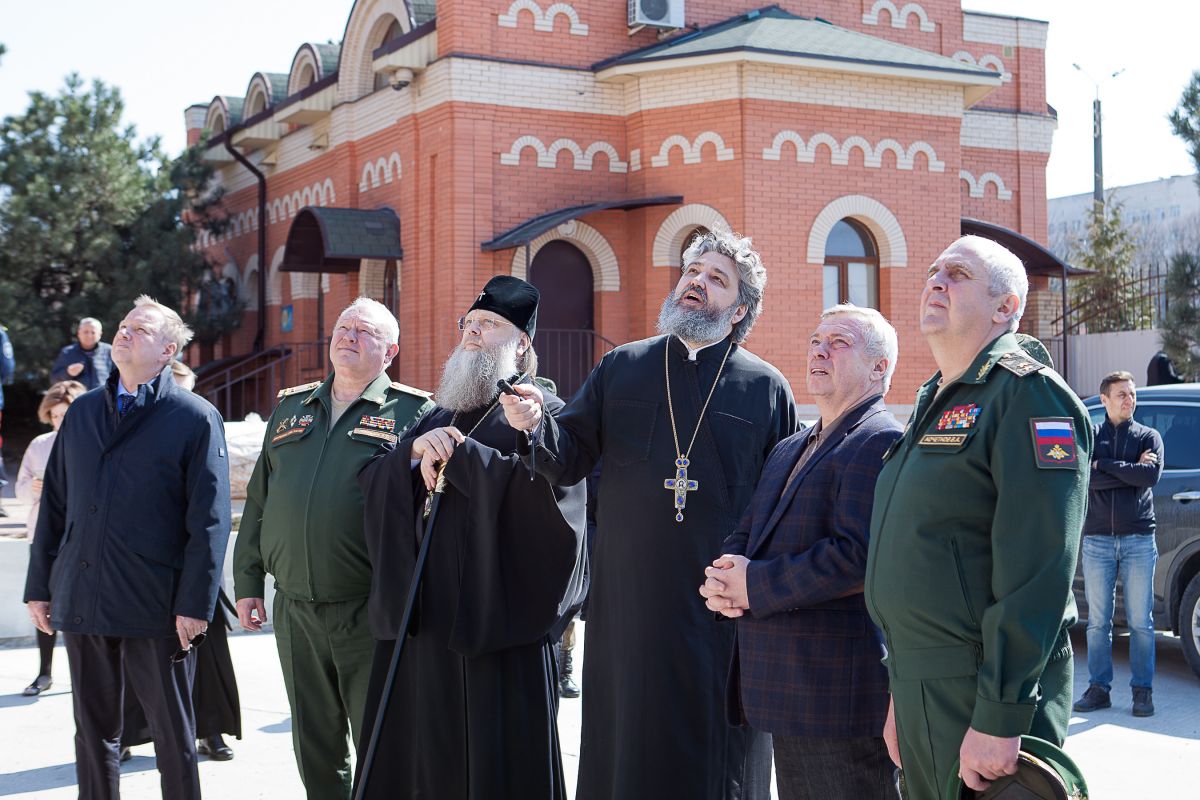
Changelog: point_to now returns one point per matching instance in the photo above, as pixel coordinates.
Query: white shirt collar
(693, 352)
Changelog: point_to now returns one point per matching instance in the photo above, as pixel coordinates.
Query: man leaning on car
(1118, 539)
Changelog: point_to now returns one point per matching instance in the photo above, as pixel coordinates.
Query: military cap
(1044, 772)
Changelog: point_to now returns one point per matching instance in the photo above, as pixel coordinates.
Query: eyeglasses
(181, 654)
(484, 324)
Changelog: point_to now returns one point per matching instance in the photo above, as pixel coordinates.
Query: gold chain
(671, 406)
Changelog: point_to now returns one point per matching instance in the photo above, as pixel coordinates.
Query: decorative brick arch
(543, 20)
(878, 219)
(248, 291)
(368, 20)
(899, 16)
(678, 226)
(606, 273)
(274, 279)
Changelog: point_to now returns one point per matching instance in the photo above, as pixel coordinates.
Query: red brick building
(553, 141)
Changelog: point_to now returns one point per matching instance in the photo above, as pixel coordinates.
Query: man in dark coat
(129, 547)
(684, 422)
(807, 667)
(472, 710)
(87, 360)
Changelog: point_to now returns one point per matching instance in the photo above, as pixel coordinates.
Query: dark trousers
(816, 768)
(98, 665)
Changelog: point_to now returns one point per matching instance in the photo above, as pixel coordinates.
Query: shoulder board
(308, 387)
(402, 387)
(1020, 364)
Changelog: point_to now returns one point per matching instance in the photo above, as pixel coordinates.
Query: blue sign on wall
(285, 319)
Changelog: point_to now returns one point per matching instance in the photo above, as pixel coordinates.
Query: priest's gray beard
(695, 325)
(469, 377)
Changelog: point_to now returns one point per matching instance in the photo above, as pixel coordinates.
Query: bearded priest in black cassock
(472, 713)
(684, 422)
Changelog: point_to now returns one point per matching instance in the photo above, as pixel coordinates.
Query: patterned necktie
(124, 403)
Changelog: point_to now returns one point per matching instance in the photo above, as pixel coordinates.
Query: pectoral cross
(681, 486)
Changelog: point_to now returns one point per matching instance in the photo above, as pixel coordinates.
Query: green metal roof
(277, 83)
(423, 10)
(336, 239)
(775, 31)
(328, 53)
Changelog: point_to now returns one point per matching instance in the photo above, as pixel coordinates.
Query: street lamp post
(1097, 139)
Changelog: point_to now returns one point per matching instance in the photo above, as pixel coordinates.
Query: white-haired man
(974, 535)
(684, 423)
(303, 524)
(806, 666)
(87, 360)
(128, 552)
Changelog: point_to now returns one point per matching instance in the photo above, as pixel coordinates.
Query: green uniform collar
(985, 362)
(376, 391)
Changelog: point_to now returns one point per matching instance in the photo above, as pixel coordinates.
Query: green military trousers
(325, 650)
(933, 714)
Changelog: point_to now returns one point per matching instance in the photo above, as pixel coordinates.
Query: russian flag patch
(1054, 442)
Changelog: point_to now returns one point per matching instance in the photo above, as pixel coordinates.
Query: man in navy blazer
(807, 658)
(128, 553)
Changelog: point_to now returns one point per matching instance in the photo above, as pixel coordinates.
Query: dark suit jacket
(135, 514)
(807, 659)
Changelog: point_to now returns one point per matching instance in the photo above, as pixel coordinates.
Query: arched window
(307, 76)
(393, 31)
(851, 266)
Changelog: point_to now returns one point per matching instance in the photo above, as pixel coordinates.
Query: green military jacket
(975, 532)
(303, 521)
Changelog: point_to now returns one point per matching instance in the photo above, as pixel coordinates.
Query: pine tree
(91, 217)
(1181, 339)
(1112, 298)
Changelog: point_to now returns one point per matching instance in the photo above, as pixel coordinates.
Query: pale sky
(166, 55)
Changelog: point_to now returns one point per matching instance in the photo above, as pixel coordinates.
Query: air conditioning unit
(659, 13)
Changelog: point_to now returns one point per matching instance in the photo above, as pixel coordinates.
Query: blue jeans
(1104, 558)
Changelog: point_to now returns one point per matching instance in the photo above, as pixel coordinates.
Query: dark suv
(1173, 411)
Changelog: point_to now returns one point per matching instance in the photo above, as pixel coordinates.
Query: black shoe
(126, 754)
(40, 684)
(566, 682)
(1094, 698)
(1143, 705)
(215, 748)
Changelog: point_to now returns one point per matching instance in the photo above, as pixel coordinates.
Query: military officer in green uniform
(974, 535)
(303, 524)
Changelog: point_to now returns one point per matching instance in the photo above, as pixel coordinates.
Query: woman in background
(29, 490)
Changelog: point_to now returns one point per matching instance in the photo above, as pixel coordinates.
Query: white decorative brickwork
(988, 61)
(999, 130)
(635, 159)
(274, 279)
(1004, 31)
(899, 17)
(249, 288)
(977, 188)
(893, 249)
(543, 20)
(679, 225)
(547, 157)
(369, 20)
(379, 172)
(840, 153)
(372, 275)
(842, 90)
(606, 274)
(286, 206)
(692, 150)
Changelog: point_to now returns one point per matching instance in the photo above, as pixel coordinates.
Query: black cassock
(655, 667)
(473, 710)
